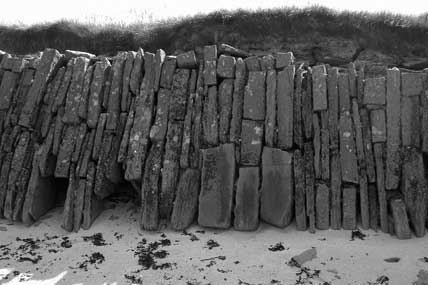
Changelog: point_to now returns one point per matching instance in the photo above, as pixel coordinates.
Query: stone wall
(223, 137)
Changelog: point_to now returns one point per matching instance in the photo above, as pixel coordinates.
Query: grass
(384, 32)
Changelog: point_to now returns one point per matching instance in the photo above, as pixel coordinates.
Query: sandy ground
(46, 254)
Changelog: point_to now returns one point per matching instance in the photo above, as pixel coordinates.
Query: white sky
(126, 11)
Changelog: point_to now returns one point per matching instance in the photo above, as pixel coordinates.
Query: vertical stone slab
(299, 190)
(85, 159)
(364, 200)
(7, 88)
(412, 83)
(83, 104)
(336, 192)
(137, 72)
(333, 106)
(49, 63)
(414, 187)
(187, 60)
(210, 65)
(410, 121)
(360, 85)
(325, 147)
(317, 145)
(319, 87)
(380, 184)
(322, 206)
(78, 205)
(344, 96)
(367, 144)
(99, 136)
(424, 111)
(107, 87)
(225, 96)
(126, 78)
(267, 62)
(179, 94)
(297, 108)
(378, 120)
(4, 175)
(115, 96)
(226, 66)
(373, 207)
(270, 120)
(79, 139)
(374, 91)
(247, 202)
(216, 196)
(310, 185)
(95, 93)
(254, 96)
(196, 136)
(349, 208)
(306, 105)
(252, 142)
(401, 222)
(277, 193)
(65, 152)
(209, 117)
(348, 157)
(167, 73)
(352, 80)
(238, 100)
(285, 94)
(123, 148)
(92, 206)
(158, 62)
(160, 125)
(283, 59)
(253, 63)
(187, 133)
(186, 199)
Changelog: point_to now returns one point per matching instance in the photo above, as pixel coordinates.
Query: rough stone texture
(230, 50)
(246, 210)
(349, 208)
(424, 111)
(317, 145)
(378, 120)
(379, 149)
(96, 91)
(299, 190)
(401, 222)
(336, 192)
(58, 129)
(69, 54)
(85, 159)
(187, 133)
(4, 173)
(123, 148)
(158, 62)
(374, 91)
(367, 143)
(348, 157)
(80, 137)
(107, 87)
(352, 80)
(410, 121)
(333, 106)
(160, 125)
(319, 83)
(137, 72)
(412, 84)
(226, 66)
(322, 206)
(65, 152)
(414, 187)
(252, 142)
(104, 187)
(99, 136)
(373, 207)
(92, 206)
(209, 117)
(8, 84)
(168, 70)
(79, 200)
(187, 60)
(49, 63)
(306, 105)
(126, 78)
(297, 109)
(325, 148)
(115, 95)
(284, 59)
(210, 65)
(62, 91)
(277, 195)
(344, 93)
(83, 104)
(364, 200)
(179, 94)
(186, 200)
(252, 63)
(270, 120)
(216, 196)
(254, 96)
(196, 134)
(267, 62)
(238, 99)
(285, 90)
(225, 96)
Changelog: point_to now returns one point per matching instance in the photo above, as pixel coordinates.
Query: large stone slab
(247, 202)
(379, 149)
(179, 94)
(137, 72)
(412, 83)
(254, 96)
(186, 145)
(96, 90)
(267, 62)
(373, 207)
(344, 93)
(410, 121)
(401, 221)
(307, 104)
(374, 91)
(348, 157)
(187, 60)
(238, 100)
(367, 144)
(83, 104)
(225, 96)
(297, 109)
(126, 79)
(99, 136)
(160, 125)
(277, 193)
(252, 142)
(92, 206)
(65, 152)
(270, 120)
(309, 184)
(285, 93)
(216, 196)
(226, 66)
(378, 120)
(336, 192)
(210, 65)
(168, 70)
(253, 63)
(115, 95)
(322, 206)
(7, 87)
(299, 190)
(210, 117)
(230, 50)
(319, 83)
(317, 145)
(333, 106)
(325, 147)
(284, 59)
(349, 208)
(158, 63)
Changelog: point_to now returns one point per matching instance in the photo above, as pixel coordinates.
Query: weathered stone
(333, 106)
(310, 184)
(380, 184)
(193, 81)
(284, 59)
(238, 99)
(349, 208)
(254, 96)
(65, 152)
(21, 95)
(168, 70)
(83, 104)
(424, 118)
(348, 157)
(126, 79)
(86, 154)
(196, 122)
(170, 168)
(209, 117)
(352, 80)
(179, 94)
(364, 200)
(230, 50)
(137, 72)
(297, 108)
(373, 207)
(187, 60)
(69, 54)
(319, 81)
(226, 66)
(96, 91)
(187, 132)
(4, 174)
(307, 105)
(115, 94)
(80, 136)
(68, 212)
(270, 120)
(210, 72)
(47, 160)
(150, 187)
(401, 222)
(74, 94)
(412, 84)
(186, 200)
(325, 148)
(216, 196)
(367, 143)
(267, 63)
(252, 63)
(299, 190)
(99, 136)
(7, 88)
(92, 206)
(317, 145)
(285, 90)
(149, 72)
(336, 192)
(104, 187)
(360, 85)
(123, 148)
(160, 125)
(344, 93)
(225, 96)
(410, 121)
(414, 185)
(63, 89)
(79, 200)
(374, 91)
(49, 63)
(378, 120)
(251, 142)
(246, 212)
(277, 199)
(322, 206)
(21, 190)
(58, 130)
(159, 60)
(210, 52)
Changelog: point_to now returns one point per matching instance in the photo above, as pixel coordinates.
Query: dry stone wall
(222, 138)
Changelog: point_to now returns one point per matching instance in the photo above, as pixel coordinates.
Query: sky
(128, 11)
